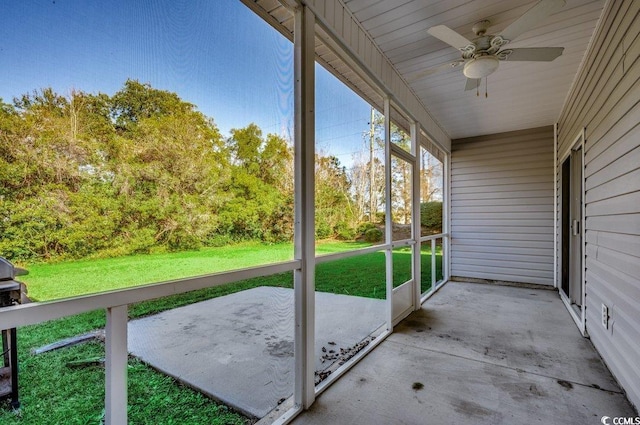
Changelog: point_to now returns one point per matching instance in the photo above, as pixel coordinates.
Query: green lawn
(362, 275)
(71, 278)
(52, 392)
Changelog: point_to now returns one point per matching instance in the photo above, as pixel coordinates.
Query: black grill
(10, 294)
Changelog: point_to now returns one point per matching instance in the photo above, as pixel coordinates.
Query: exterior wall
(502, 207)
(605, 100)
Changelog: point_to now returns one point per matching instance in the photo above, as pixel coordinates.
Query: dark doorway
(571, 227)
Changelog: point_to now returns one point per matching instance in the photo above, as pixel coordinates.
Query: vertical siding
(502, 207)
(605, 99)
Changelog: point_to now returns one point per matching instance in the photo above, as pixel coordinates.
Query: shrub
(344, 232)
(323, 230)
(218, 240)
(373, 235)
(431, 216)
(363, 227)
(142, 241)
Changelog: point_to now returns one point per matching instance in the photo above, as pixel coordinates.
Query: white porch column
(446, 217)
(388, 236)
(415, 199)
(115, 402)
(304, 231)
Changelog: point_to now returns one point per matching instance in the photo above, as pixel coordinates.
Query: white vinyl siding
(605, 100)
(502, 207)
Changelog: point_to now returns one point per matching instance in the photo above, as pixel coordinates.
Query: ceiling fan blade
(532, 18)
(542, 54)
(472, 84)
(435, 69)
(449, 36)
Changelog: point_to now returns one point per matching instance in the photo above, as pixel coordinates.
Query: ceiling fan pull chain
(478, 90)
(486, 87)
(624, 56)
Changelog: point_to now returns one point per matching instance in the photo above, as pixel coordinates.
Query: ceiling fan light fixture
(480, 67)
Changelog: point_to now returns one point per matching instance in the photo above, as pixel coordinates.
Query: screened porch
(494, 278)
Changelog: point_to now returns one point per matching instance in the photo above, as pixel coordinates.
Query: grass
(72, 278)
(52, 392)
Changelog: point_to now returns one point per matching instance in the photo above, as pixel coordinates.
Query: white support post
(387, 216)
(555, 205)
(304, 231)
(446, 213)
(433, 263)
(417, 247)
(116, 366)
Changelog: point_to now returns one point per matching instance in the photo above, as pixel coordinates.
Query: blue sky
(216, 54)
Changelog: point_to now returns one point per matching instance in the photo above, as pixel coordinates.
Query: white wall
(605, 100)
(502, 207)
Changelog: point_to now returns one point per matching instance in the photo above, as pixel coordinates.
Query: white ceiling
(520, 95)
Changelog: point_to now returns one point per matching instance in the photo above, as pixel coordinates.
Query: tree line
(142, 170)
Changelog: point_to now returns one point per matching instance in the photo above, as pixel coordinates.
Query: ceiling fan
(483, 54)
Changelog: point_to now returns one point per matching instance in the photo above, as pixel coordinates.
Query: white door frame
(579, 319)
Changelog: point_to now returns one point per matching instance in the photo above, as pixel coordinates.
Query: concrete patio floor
(239, 348)
(477, 354)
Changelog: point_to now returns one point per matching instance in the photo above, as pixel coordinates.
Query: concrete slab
(239, 348)
(522, 328)
(483, 355)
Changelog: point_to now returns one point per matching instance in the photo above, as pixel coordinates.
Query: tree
(260, 190)
(367, 179)
(367, 172)
(88, 173)
(92, 174)
(430, 177)
(49, 153)
(169, 164)
(334, 207)
(401, 182)
(137, 101)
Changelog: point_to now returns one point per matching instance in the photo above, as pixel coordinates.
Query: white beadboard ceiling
(521, 95)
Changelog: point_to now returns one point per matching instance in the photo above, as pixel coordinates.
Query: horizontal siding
(539, 240)
(501, 194)
(506, 185)
(502, 207)
(498, 230)
(500, 204)
(520, 258)
(605, 100)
